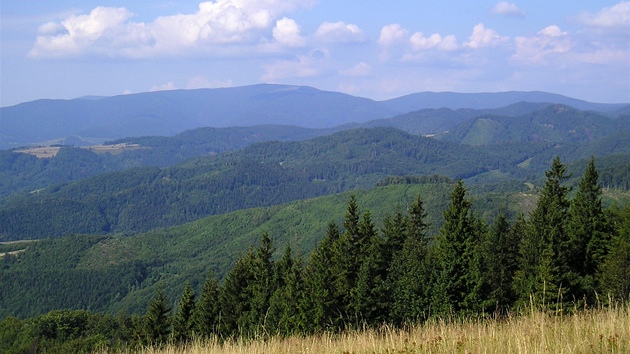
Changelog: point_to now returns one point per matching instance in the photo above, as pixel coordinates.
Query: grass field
(593, 331)
(52, 151)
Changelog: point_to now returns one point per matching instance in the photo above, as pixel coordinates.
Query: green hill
(266, 174)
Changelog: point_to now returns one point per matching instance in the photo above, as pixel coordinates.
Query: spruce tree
(157, 324)
(286, 304)
(408, 278)
(183, 323)
(261, 287)
(544, 252)
(326, 282)
(206, 316)
(589, 238)
(456, 247)
(500, 251)
(235, 297)
(614, 272)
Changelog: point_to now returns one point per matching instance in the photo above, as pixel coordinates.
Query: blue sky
(376, 49)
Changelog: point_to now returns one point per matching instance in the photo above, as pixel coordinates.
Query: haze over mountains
(87, 120)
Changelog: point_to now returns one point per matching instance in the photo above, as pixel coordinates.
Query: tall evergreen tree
(235, 296)
(326, 282)
(543, 271)
(500, 250)
(614, 271)
(261, 287)
(395, 232)
(157, 324)
(589, 238)
(456, 246)
(408, 277)
(286, 304)
(206, 316)
(183, 323)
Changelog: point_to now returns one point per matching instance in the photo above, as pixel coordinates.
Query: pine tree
(326, 282)
(261, 288)
(500, 251)
(206, 316)
(543, 270)
(395, 231)
(456, 247)
(368, 295)
(589, 238)
(183, 323)
(286, 304)
(157, 324)
(235, 296)
(408, 278)
(614, 271)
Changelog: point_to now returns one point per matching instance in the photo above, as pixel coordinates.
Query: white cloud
(420, 42)
(391, 34)
(339, 32)
(110, 31)
(507, 9)
(361, 69)
(288, 33)
(609, 17)
(482, 37)
(534, 49)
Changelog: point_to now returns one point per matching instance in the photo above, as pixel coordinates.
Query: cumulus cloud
(110, 31)
(339, 32)
(534, 49)
(391, 34)
(609, 17)
(482, 37)
(420, 42)
(505, 8)
(288, 33)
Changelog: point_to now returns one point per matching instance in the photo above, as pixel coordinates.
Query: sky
(375, 49)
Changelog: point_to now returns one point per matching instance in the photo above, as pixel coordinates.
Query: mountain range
(88, 120)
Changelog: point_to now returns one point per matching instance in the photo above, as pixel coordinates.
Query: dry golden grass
(596, 331)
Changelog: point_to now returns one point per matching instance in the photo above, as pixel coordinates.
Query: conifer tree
(408, 277)
(235, 296)
(456, 245)
(286, 304)
(614, 271)
(183, 323)
(326, 282)
(543, 271)
(394, 231)
(500, 251)
(157, 324)
(206, 316)
(588, 235)
(368, 295)
(261, 287)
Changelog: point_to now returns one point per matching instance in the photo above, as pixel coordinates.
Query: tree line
(567, 254)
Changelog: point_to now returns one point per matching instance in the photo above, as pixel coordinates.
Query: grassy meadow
(589, 331)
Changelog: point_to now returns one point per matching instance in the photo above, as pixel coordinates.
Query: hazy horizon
(379, 50)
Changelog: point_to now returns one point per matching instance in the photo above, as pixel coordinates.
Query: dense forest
(568, 253)
(270, 173)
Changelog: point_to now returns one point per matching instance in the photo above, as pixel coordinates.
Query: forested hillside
(554, 123)
(270, 173)
(365, 268)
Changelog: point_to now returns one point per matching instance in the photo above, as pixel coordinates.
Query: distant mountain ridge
(95, 119)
